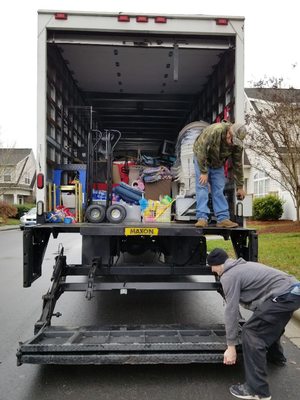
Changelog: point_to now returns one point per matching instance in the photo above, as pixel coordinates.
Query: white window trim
(261, 177)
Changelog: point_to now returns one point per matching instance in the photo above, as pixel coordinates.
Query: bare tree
(274, 136)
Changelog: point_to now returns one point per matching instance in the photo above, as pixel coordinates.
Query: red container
(121, 171)
(102, 186)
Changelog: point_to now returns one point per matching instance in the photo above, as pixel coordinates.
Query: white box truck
(145, 76)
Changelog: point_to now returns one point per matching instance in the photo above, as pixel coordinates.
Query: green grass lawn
(13, 221)
(278, 250)
(10, 221)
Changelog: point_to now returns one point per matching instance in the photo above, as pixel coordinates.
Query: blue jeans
(216, 180)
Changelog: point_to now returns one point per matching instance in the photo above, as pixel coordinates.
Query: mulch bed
(282, 226)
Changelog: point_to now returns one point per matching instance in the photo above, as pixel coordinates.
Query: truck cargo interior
(147, 87)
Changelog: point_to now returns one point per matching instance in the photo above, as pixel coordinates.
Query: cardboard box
(116, 174)
(156, 189)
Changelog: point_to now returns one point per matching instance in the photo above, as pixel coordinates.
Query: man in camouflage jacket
(212, 148)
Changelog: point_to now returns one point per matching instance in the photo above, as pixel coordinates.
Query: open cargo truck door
(147, 77)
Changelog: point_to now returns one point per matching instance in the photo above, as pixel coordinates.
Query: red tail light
(141, 18)
(222, 21)
(61, 16)
(160, 20)
(40, 181)
(123, 18)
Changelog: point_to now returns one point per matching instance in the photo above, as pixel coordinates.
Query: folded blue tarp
(128, 193)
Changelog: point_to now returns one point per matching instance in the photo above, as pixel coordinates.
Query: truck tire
(95, 213)
(116, 213)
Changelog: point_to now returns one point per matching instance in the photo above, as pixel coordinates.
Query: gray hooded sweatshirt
(249, 284)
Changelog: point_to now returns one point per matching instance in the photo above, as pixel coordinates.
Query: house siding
(20, 188)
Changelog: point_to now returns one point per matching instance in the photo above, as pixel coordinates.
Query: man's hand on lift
(203, 179)
(230, 356)
(240, 194)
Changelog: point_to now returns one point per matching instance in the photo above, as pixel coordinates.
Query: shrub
(23, 209)
(269, 207)
(6, 211)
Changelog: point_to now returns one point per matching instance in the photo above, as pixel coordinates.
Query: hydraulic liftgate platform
(145, 344)
(124, 345)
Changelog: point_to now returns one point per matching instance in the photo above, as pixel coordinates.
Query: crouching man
(273, 296)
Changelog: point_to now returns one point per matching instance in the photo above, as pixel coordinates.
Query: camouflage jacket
(212, 150)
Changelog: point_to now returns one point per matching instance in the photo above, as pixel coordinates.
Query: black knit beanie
(217, 257)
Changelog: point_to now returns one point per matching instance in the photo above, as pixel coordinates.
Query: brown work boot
(226, 223)
(201, 223)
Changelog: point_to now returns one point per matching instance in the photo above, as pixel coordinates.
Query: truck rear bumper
(183, 244)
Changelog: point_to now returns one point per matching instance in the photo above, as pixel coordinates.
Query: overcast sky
(271, 47)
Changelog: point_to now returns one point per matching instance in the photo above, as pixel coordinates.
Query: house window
(7, 177)
(26, 178)
(261, 184)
